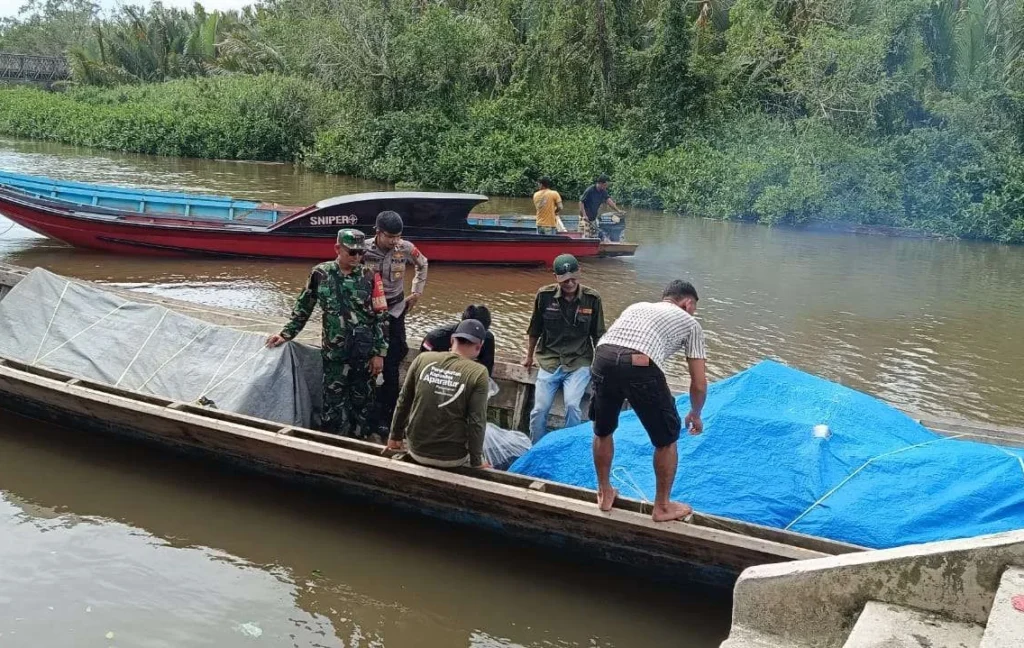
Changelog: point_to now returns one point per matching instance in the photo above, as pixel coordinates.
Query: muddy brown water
(170, 553)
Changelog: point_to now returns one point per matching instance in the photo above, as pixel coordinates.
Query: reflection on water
(101, 536)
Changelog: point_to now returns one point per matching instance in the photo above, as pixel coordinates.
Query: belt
(633, 356)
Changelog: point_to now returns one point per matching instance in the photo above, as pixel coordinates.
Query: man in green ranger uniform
(567, 322)
(353, 345)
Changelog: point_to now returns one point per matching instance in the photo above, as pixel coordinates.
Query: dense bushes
(954, 179)
(487, 150)
(255, 118)
(944, 180)
(901, 113)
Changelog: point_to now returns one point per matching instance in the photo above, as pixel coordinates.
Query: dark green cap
(351, 239)
(566, 267)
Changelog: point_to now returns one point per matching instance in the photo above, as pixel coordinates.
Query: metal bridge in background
(39, 69)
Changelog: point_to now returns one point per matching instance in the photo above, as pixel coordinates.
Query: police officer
(353, 345)
(567, 322)
(389, 255)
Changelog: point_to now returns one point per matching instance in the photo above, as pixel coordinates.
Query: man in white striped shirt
(627, 366)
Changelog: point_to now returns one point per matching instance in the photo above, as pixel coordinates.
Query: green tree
(49, 27)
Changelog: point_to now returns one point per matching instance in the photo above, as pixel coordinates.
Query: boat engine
(611, 226)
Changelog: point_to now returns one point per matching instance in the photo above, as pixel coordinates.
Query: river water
(96, 537)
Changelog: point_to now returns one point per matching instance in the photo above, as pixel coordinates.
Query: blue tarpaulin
(880, 479)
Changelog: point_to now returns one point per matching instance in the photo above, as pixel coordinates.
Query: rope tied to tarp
(867, 463)
(202, 398)
(625, 477)
(138, 353)
(1020, 460)
(76, 335)
(176, 354)
(49, 325)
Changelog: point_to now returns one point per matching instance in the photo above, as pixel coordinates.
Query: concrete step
(883, 625)
(741, 638)
(1006, 622)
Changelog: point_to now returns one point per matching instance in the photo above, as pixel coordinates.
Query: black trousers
(621, 374)
(398, 347)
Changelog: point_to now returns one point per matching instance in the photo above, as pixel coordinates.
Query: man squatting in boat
(442, 409)
(353, 343)
(628, 366)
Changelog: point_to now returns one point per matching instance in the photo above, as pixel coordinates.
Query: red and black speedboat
(437, 222)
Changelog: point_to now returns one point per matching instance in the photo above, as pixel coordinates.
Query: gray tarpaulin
(51, 322)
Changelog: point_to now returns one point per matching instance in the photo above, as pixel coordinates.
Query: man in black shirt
(440, 339)
(590, 205)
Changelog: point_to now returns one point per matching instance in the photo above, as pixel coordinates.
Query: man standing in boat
(388, 254)
(628, 367)
(353, 344)
(442, 410)
(548, 203)
(567, 322)
(590, 206)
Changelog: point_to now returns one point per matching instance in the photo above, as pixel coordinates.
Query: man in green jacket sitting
(442, 408)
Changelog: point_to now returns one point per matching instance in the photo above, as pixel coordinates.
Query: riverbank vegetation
(903, 113)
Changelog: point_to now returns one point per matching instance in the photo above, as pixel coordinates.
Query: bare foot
(606, 499)
(674, 511)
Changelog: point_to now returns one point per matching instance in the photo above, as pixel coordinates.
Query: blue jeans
(574, 384)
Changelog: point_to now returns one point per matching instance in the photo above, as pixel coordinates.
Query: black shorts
(616, 376)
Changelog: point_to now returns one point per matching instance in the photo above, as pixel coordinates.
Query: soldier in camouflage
(353, 345)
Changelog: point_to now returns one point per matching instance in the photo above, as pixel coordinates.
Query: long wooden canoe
(710, 549)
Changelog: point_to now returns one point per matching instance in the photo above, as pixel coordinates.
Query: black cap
(470, 330)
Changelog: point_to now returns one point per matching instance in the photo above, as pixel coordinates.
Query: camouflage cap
(351, 239)
(566, 267)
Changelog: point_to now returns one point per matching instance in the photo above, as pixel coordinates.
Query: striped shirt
(657, 330)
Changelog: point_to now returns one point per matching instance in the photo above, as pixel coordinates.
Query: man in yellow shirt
(549, 206)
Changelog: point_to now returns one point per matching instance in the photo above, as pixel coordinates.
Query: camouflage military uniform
(352, 335)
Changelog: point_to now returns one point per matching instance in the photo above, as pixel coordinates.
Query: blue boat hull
(146, 201)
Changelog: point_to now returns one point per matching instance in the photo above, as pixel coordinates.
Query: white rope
(1019, 459)
(50, 324)
(73, 337)
(626, 478)
(241, 327)
(227, 355)
(176, 354)
(863, 466)
(139, 352)
(240, 365)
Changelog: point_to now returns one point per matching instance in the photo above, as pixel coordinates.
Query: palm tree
(139, 46)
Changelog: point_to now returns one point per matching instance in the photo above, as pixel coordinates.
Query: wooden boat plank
(974, 430)
(461, 495)
(516, 382)
(252, 426)
(580, 494)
